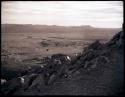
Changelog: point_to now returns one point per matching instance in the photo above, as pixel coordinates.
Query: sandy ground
(19, 47)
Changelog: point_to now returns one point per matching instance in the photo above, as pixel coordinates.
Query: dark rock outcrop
(117, 40)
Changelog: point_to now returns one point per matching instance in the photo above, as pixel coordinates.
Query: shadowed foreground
(98, 70)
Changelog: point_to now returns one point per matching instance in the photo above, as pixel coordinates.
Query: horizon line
(60, 25)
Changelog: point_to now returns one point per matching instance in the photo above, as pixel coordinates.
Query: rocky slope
(98, 70)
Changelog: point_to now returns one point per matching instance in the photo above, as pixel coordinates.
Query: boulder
(28, 79)
(64, 59)
(11, 86)
(38, 82)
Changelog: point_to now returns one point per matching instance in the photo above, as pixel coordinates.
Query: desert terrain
(101, 62)
(22, 45)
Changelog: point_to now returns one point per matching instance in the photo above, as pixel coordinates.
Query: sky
(104, 14)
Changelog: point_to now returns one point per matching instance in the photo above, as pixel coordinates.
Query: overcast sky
(65, 13)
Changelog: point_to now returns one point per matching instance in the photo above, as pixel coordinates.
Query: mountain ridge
(89, 26)
(16, 28)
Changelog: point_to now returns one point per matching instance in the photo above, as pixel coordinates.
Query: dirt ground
(23, 45)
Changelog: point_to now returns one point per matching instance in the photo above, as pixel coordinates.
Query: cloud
(64, 12)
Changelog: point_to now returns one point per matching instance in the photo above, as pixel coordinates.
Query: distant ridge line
(87, 26)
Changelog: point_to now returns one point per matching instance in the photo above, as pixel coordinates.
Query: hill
(28, 28)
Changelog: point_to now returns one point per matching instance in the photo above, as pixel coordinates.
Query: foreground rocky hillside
(98, 70)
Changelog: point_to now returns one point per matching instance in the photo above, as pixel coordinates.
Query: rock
(3, 81)
(27, 80)
(33, 69)
(105, 52)
(64, 59)
(90, 55)
(57, 66)
(91, 64)
(11, 86)
(57, 61)
(46, 60)
(68, 58)
(62, 70)
(44, 43)
(87, 64)
(94, 63)
(117, 40)
(75, 58)
(96, 45)
(120, 42)
(38, 82)
(52, 78)
(22, 80)
(103, 59)
(116, 37)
